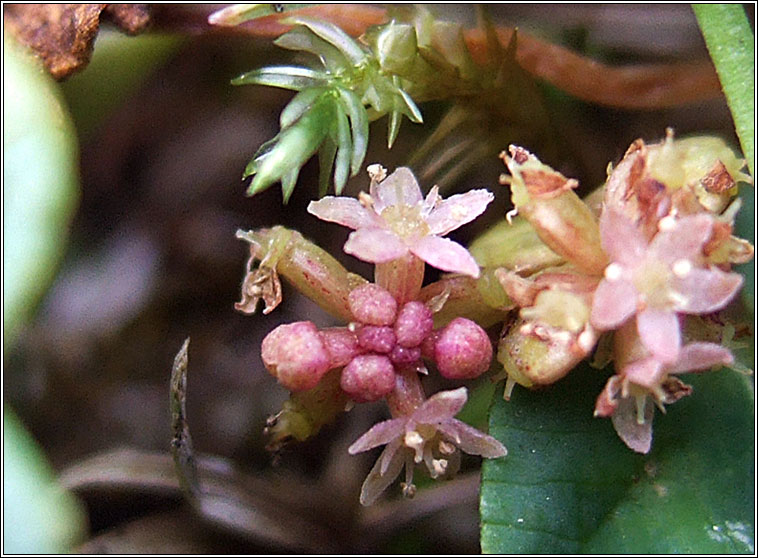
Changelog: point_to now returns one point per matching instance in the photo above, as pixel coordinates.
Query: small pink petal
(701, 356)
(638, 437)
(607, 401)
(446, 255)
(375, 245)
(458, 210)
(430, 201)
(613, 303)
(646, 372)
(378, 435)
(706, 290)
(377, 480)
(660, 333)
(399, 188)
(471, 440)
(441, 406)
(682, 241)
(622, 240)
(344, 211)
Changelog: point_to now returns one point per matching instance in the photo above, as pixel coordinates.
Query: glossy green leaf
(286, 77)
(40, 183)
(569, 485)
(303, 39)
(299, 105)
(240, 13)
(358, 125)
(39, 516)
(292, 147)
(344, 152)
(335, 36)
(326, 154)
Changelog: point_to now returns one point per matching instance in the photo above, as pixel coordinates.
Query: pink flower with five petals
(430, 434)
(655, 280)
(394, 220)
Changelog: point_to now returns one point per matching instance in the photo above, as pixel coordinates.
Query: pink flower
(655, 280)
(395, 220)
(430, 435)
(627, 396)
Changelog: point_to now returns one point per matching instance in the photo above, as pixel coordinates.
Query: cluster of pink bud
(381, 340)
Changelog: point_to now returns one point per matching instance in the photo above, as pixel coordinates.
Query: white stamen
(586, 341)
(667, 223)
(613, 272)
(510, 215)
(681, 268)
(440, 466)
(446, 448)
(415, 441)
(376, 172)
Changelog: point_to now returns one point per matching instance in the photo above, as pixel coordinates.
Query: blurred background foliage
(106, 291)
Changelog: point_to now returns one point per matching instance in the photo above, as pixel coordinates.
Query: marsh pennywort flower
(394, 220)
(430, 435)
(655, 280)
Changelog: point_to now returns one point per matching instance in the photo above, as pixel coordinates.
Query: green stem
(731, 44)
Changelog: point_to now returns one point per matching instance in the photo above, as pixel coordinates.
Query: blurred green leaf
(40, 183)
(119, 65)
(731, 44)
(569, 485)
(39, 517)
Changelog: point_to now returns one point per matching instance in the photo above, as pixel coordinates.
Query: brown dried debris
(63, 35)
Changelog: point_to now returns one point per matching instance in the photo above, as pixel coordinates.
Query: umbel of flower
(382, 340)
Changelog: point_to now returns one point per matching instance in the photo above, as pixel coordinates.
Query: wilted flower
(655, 280)
(430, 435)
(394, 220)
(627, 395)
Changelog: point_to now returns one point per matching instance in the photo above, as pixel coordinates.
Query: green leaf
(359, 127)
(732, 47)
(286, 77)
(569, 485)
(303, 39)
(40, 183)
(299, 105)
(335, 36)
(40, 517)
(292, 147)
(344, 151)
(326, 154)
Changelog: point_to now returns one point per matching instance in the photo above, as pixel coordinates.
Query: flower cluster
(390, 331)
(636, 273)
(654, 254)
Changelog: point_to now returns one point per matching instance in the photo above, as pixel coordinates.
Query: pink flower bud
(295, 355)
(371, 304)
(403, 355)
(342, 345)
(414, 322)
(377, 339)
(463, 350)
(368, 378)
